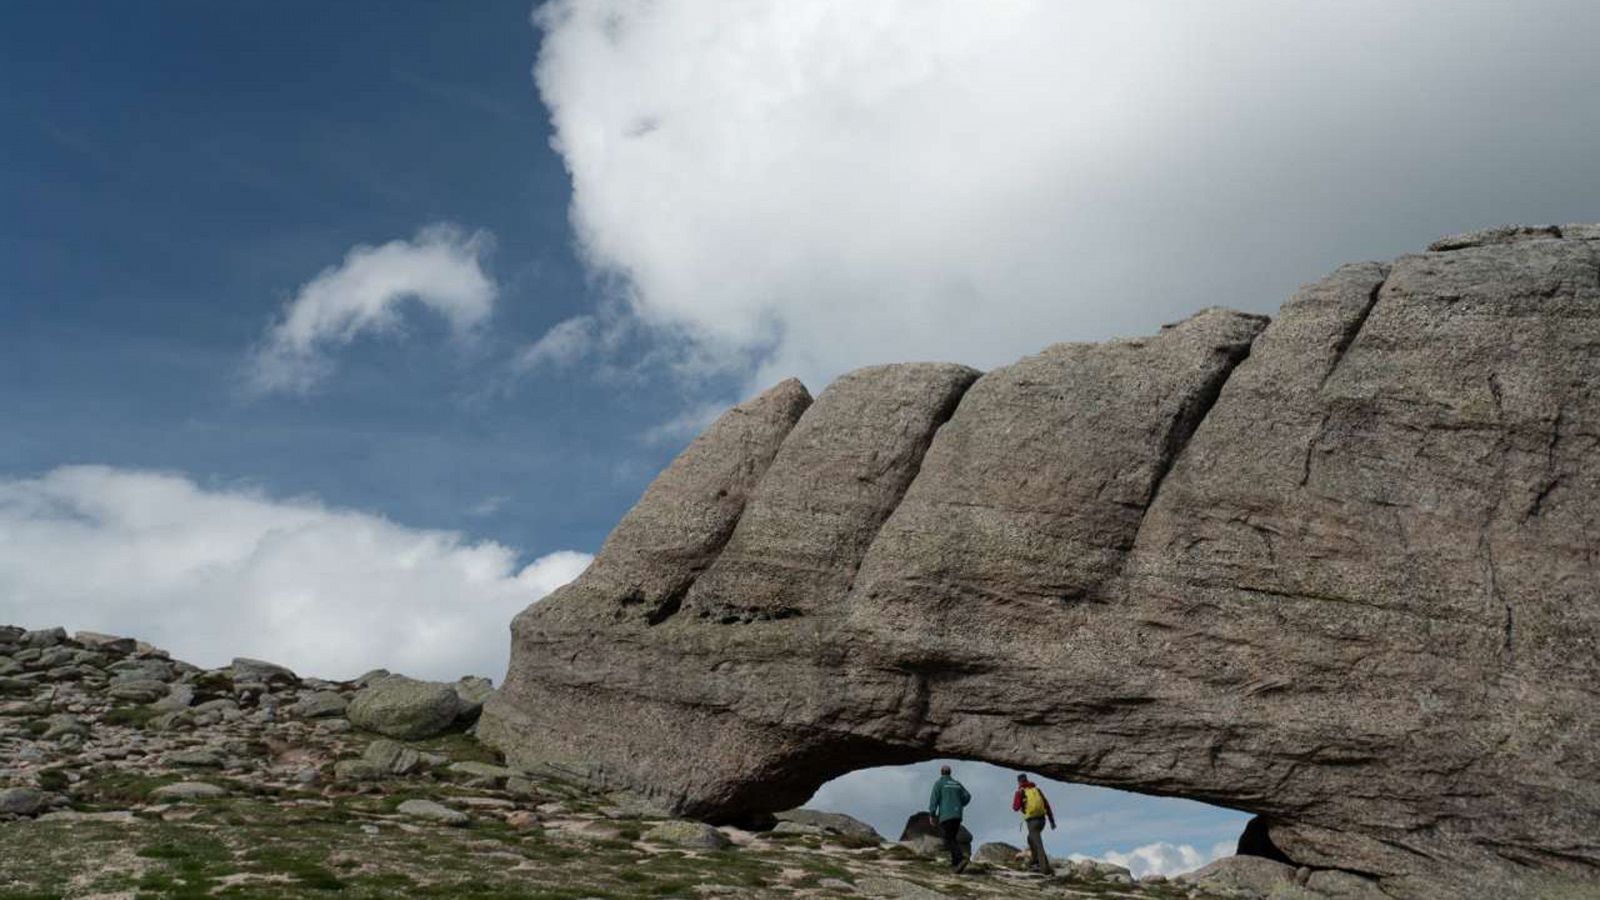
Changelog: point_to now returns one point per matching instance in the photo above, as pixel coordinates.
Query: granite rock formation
(1341, 570)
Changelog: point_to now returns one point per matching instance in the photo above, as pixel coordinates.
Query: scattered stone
(141, 669)
(319, 704)
(404, 708)
(179, 696)
(61, 725)
(194, 759)
(473, 690)
(358, 770)
(884, 886)
(429, 811)
(255, 671)
(177, 720)
(838, 823)
(485, 773)
(105, 643)
(188, 790)
(1245, 873)
(44, 637)
(23, 801)
(393, 757)
(141, 690)
(687, 833)
(997, 853)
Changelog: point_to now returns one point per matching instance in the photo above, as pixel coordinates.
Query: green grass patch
(121, 789)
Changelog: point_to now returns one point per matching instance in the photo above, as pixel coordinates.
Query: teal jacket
(948, 800)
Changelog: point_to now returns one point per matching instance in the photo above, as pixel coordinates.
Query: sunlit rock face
(1339, 570)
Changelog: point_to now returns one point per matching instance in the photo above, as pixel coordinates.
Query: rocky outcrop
(1339, 570)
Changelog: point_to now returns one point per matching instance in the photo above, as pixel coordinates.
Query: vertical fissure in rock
(1192, 414)
(944, 415)
(1347, 339)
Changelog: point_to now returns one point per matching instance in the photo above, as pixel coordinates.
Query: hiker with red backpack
(1035, 809)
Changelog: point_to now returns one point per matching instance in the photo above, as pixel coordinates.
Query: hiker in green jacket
(945, 807)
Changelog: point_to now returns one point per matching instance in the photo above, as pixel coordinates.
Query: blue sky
(657, 209)
(173, 172)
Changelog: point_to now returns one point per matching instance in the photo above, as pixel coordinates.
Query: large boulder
(404, 708)
(923, 835)
(838, 823)
(1338, 570)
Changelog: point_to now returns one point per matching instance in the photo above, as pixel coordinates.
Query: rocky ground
(124, 773)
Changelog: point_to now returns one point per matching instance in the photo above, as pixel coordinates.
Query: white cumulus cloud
(441, 268)
(1162, 858)
(824, 184)
(211, 574)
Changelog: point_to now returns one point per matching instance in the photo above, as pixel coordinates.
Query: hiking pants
(951, 828)
(1041, 859)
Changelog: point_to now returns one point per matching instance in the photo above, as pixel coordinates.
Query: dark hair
(1021, 776)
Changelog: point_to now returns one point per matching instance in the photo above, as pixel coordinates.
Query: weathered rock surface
(1339, 570)
(405, 708)
(837, 823)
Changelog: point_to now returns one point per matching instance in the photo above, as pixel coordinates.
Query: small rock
(392, 757)
(358, 770)
(1246, 873)
(54, 657)
(141, 669)
(139, 690)
(179, 696)
(194, 759)
(997, 853)
(883, 886)
(60, 725)
(177, 720)
(429, 811)
(44, 637)
(256, 671)
(105, 643)
(23, 801)
(519, 786)
(473, 690)
(687, 833)
(187, 790)
(838, 823)
(485, 773)
(318, 705)
(522, 819)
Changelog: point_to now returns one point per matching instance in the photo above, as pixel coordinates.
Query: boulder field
(1338, 569)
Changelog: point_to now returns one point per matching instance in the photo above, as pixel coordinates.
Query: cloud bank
(441, 269)
(214, 573)
(1162, 858)
(835, 183)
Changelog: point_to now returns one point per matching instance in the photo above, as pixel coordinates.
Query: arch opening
(1146, 833)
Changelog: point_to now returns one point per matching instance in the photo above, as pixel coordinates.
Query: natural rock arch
(1339, 570)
